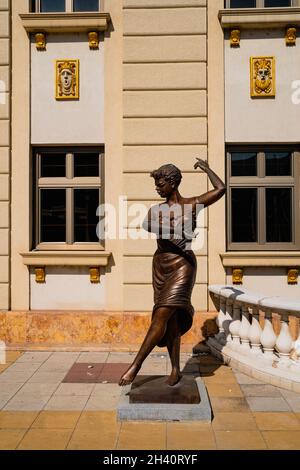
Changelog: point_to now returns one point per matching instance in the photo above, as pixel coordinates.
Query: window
(53, 6)
(259, 3)
(67, 195)
(263, 199)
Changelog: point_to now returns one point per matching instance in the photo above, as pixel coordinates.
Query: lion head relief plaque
(263, 82)
(67, 79)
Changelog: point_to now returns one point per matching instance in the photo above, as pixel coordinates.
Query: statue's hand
(202, 165)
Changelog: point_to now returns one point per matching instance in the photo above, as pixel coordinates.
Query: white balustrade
(241, 335)
(268, 337)
(245, 327)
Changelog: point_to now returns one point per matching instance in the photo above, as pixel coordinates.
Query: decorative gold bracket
(40, 275)
(292, 276)
(40, 41)
(95, 275)
(291, 36)
(237, 276)
(93, 40)
(235, 38)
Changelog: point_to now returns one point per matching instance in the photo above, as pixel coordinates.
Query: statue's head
(167, 179)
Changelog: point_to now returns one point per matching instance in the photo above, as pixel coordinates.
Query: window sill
(258, 18)
(65, 22)
(262, 258)
(66, 258)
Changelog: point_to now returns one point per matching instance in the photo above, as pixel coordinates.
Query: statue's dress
(173, 275)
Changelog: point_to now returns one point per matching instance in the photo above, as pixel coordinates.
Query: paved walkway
(40, 411)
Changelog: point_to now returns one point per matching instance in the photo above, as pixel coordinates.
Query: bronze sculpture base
(154, 389)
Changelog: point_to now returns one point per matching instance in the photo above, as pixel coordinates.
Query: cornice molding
(65, 22)
(258, 18)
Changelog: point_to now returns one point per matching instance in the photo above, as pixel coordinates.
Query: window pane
(279, 215)
(52, 5)
(244, 215)
(242, 3)
(243, 164)
(277, 3)
(86, 5)
(32, 6)
(278, 164)
(53, 215)
(86, 164)
(53, 165)
(86, 202)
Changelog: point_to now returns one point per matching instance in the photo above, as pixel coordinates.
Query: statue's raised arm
(219, 187)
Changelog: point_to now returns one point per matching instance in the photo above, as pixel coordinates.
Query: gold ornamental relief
(263, 80)
(67, 79)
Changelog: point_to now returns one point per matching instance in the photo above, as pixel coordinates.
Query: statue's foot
(174, 378)
(129, 375)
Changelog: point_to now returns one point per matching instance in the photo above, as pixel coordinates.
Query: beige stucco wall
(261, 120)
(5, 113)
(165, 121)
(67, 122)
(111, 279)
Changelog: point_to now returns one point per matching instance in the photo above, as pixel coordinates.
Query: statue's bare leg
(173, 336)
(154, 335)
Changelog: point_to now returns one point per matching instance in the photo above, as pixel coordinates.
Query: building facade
(95, 95)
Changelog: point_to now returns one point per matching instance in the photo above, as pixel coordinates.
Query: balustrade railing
(263, 329)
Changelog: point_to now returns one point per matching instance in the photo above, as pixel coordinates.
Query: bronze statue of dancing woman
(174, 265)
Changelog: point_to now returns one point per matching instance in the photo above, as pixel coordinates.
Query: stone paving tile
(15, 376)
(84, 373)
(17, 419)
(190, 436)
(282, 440)
(277, 421)
(49, 439)
(142, 436)
(3, 367)
(153, 369)
(104, 397)
(55, 367)
(288, 393)
(10, 438)
(112, 373)
(114, 357)
(64, 357)
(229, 404)
(267, 404)
(68, 403)
(38, 389)
(47, 377)
(12, 356)
(94, 357)
(56, 420)
(10, 388)
(294, 404)
(4, 399)
(244, 379)
(34, 357)
(260, 391)
(24, 367)
(240, 440)
(27, 402)
(224, 390)
(92, 421)
(96, 440)
(234, 422)
(74, 389)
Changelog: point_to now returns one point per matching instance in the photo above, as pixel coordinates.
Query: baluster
(255, 332)
(284, 343)
(227, 321)
(220, 319)
(244, 328)
(268, 337)
(234, 326)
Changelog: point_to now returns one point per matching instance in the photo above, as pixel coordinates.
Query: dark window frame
(261, 4)
(70, 183)
(262, 182)
(35, 7)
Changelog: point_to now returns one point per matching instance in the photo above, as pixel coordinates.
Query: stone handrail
(258, 334)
